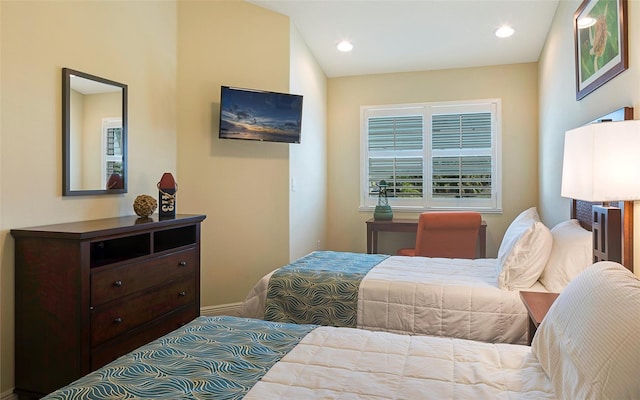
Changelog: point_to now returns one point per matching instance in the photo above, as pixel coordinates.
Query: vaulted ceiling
(416, 35)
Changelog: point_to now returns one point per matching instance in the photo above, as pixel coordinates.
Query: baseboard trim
(232, 309)
(9, 395)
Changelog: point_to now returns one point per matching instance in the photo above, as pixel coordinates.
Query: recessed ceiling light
(504, 31)
(345, 46)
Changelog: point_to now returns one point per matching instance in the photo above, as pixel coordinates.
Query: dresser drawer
(113, 349)
(114, 283)
(117, 318)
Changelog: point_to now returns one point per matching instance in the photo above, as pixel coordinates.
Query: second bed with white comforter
(469, 299)
(431, 296)
(443, 297)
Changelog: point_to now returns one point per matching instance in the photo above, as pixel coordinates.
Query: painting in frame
(600, 30)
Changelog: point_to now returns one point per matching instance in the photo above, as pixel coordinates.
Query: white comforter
(431, 296)
(345, 363)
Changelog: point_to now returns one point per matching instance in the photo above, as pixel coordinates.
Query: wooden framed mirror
(94, 130)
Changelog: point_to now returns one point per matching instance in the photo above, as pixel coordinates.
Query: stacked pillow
(588, 343)
(571, 253)
(524, 251)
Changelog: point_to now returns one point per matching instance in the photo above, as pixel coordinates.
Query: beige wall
(560, 111)
(38, 39)
(515, 84)
(2, 234)
(242, 186)
(308, 160)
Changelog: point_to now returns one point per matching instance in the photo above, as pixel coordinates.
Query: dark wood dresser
(88, 292)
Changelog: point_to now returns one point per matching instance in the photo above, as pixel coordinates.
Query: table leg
(374, 242)
(482, 241)
(532, 331)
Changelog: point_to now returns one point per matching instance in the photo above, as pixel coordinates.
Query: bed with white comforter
(469, 299)
(443, 297)
(433, 296)
(238, 358)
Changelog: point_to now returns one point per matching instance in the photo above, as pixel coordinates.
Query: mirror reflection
(95, 127)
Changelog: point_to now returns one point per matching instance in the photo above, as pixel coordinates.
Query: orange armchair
(446, 234)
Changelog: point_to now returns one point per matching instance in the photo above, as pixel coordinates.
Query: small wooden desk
(537, 305)
(411, 225)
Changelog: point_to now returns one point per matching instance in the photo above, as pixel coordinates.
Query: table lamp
(601, 163)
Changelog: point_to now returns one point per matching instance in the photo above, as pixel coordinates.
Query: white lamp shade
(602, 162)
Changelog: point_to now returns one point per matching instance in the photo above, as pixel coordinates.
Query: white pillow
(588, 343)
(524, 251)
(571, 253)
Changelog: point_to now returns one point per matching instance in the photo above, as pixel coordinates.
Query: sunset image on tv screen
(259, 115)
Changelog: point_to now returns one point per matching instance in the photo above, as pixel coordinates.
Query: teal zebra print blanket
(319, 288)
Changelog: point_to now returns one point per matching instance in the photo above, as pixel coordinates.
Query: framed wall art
(600, 30)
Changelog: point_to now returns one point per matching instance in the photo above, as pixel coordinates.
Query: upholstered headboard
(583, 210)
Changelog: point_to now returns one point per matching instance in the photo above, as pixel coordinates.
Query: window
(432, 155)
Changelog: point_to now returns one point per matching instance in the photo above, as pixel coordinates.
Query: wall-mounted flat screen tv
(260, 115)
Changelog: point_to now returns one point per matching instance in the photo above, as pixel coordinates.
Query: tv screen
(260, 115)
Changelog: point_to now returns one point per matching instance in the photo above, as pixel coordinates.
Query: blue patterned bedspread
(319, 288)
(209, 358)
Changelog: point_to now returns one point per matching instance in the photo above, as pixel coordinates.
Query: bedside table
(537, 305)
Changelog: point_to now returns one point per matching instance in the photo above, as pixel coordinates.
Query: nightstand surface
(537, 305)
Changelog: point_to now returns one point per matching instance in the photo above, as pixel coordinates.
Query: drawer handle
(182, 294)
(117, 283)
(182, 264)
(118, 320)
